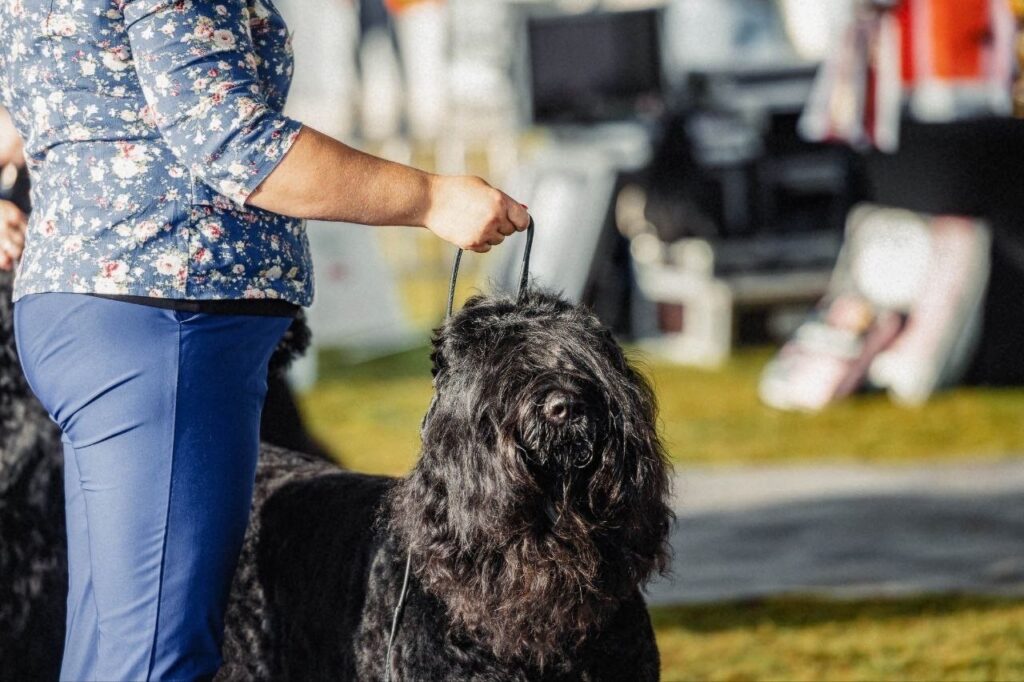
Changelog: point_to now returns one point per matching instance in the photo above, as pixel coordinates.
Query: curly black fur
(535, 514)
(281, 422)
(33, 549)
(542, 479)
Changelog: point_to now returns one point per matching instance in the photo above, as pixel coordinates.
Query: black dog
(535, 513)
(33, 543)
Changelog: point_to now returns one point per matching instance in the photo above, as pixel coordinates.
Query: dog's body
(536, 512)
(298, 613)
(33, 543)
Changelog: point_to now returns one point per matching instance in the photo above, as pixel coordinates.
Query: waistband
(240, 306)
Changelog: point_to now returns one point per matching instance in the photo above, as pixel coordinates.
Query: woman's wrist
(434, 184)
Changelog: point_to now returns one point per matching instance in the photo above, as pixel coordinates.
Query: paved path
(847, 531)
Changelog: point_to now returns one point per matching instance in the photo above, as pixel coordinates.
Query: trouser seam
(88, 547)
(170, 487)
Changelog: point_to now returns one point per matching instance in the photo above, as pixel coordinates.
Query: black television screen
(601, 66)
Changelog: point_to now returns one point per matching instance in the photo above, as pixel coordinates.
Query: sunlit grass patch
(926, 638)
(712, 417)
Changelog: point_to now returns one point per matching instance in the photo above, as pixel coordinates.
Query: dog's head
(540, 499)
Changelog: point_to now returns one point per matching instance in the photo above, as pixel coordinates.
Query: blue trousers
(160, 414)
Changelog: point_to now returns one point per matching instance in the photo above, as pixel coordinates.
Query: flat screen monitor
(594, 67)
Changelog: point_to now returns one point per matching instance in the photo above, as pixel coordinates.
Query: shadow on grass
(802, 612)
(902, 543)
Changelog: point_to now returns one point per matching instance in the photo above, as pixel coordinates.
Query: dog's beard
(521, 577)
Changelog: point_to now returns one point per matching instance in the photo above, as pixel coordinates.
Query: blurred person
(931, 61)
(164, 259)
(358, 303)
(421, 29)
(380, 73)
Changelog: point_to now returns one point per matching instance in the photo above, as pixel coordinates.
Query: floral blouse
(147, 124)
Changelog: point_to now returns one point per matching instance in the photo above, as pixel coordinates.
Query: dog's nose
(558, 408)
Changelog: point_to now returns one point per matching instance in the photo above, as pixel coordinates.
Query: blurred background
(804, 219)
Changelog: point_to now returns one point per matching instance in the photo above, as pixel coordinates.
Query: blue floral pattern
(148, 123)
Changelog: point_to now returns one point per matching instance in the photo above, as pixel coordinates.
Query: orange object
(960, 34)
(397, 6)
(946, 39)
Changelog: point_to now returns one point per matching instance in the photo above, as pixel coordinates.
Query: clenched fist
(471, 214)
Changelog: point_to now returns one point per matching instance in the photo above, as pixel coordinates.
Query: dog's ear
(641, 505)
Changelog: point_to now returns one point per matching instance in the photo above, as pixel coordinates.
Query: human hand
(11, 150)
(471, 214)
(12, 234)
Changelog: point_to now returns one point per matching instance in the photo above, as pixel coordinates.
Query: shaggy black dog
(535, 514)
(33, 545)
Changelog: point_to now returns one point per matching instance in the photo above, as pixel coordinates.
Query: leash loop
(524, 275)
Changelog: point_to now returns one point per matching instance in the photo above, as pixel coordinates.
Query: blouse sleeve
(198, 71)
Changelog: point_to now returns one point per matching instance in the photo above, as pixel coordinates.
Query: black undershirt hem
(236, 306)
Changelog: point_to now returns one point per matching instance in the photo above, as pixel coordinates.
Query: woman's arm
(198, 71)
(325, 179)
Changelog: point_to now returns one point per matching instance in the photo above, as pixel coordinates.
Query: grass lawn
(370, 413)
(950, 638)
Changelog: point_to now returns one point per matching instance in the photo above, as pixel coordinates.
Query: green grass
(370, 413)
(715, 417)
(949, 638)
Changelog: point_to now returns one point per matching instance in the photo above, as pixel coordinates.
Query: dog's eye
(559, 407)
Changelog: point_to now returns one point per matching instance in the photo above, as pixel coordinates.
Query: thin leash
(524, 279)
